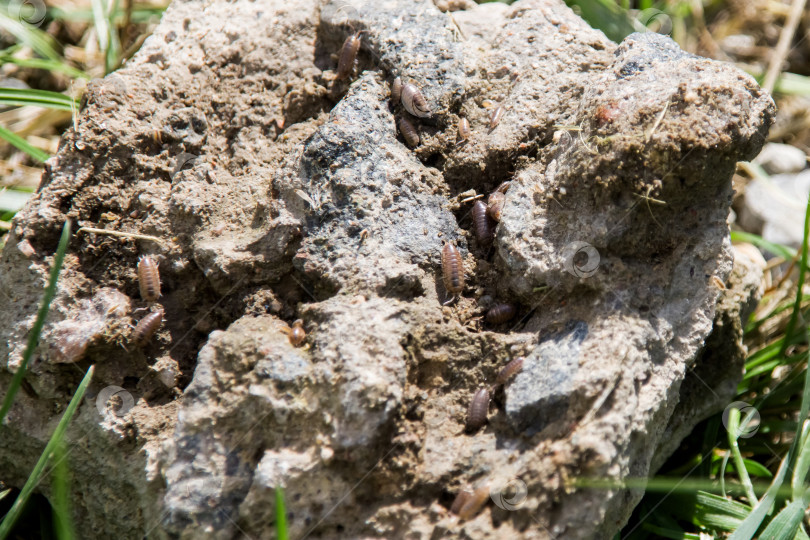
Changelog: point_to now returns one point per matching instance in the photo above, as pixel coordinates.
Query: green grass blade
(786, 522)
(105, 30)
(41, 98)
(748, 528)
(62, 518)
(43, 44)
(36, 330)
(718, 512)
(606, 16)
(799, 289)
(802, 466)
(734, 432)
(36, 475)
(100, 21)
(46, 64)
(281, 515)
(114, 50)
(22, 144)
(792, 83)
(777, 249)
(670, 533)
(755, 468)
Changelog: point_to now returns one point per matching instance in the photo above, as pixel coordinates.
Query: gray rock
(541, 390)
(777, 204)
(279, 192)
(777, 158)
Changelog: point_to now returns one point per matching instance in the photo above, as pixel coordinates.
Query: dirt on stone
(277, 192)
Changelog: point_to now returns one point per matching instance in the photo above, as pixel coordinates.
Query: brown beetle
(500, 313)
(509, 369)
(148, 279)
(482, 222)
(477, 412)
(147, 327)
(297, 333)
(495, 205)
(396, 90)
(409, 132)
(452, 269)
(348, 55)
(414, 102)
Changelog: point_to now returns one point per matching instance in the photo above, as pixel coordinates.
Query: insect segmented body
(297, 333)
(348, 55)
(503, 187)
(462, 497)
(509, 369)
(147, 327)
(495, 205)
(477, 412)
(396, 90)
(495, 117)
(409, 132)
(500, 313)
(483, 226)
(414, 102)
(464, 132)
(148, 279)
(452, 269)
(473, 503)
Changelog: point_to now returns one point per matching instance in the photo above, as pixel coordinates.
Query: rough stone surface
(278, 192)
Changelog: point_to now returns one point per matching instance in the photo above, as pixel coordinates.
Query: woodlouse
(414, 102)
(348, 55)
(717, 282)
(297, 333)
(495, 117)
(500, 313)
(147, 327)
(464, 132)
(474, 503)
(509, 369)
(504, 186)
(462, 497)
(452, 269)
(148, 279)
(495, 205)
(409, 132)
(477, 412)
(396, 90)
(483, 225)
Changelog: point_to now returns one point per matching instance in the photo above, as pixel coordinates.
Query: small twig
(585, 143)
(458, 27)
(657, 122)
(782, 47)
(649, 199)
(121, 234)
